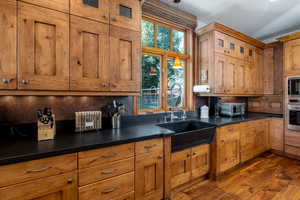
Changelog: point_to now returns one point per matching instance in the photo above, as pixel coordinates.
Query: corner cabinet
(125, 56)
(229, 65)
(8, 45)
(43, 48)
(291, 58)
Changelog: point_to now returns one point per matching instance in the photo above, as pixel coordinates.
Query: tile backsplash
(22, 109)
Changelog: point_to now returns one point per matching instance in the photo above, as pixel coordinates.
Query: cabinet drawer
(108, 189)
(105, 171)
(26, 171)
(227, 131)
(149, 146)
(62, 187)
(105, 155)
(129, 196)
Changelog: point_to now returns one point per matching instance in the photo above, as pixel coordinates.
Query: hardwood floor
(268, 177)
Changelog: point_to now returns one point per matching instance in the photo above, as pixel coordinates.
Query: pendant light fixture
(177, 63)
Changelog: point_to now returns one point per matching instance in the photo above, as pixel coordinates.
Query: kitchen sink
(189, 133)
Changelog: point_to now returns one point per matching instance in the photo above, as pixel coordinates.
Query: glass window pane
(163, 37)
(147, 33)
(151, 82)
(178, 41)
(176, 85)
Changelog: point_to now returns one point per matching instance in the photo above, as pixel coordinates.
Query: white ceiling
(261, 19)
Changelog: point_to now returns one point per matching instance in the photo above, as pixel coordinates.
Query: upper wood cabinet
(43, 48)
(89, 51)
(60, 5)
(125, 59)
(126, 14)
(229, 65)
(292, 58)
(8, 44)
(93, 9)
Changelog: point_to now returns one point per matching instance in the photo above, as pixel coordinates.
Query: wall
(22, 109)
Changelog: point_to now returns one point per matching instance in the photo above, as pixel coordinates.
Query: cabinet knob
(70, 181)
(194, 153)
(7, 81)
(160, 157)
(104, 16)
(114, 85)
(105, 85)
(113, 19)
(25, 82)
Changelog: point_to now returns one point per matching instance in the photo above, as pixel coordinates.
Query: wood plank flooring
(268, 177)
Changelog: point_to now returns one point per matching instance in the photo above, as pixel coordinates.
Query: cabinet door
(180, 167)
(258, 73)
(149, 172)
(228, 147)
(60, 187)
(232, 47)
(219, 79)
(262, 137)
(8, 44)
(60, 5)
(200, 161)
(43, 48)
(126, 14)
(89, 55)
(93, 9)
(291, 57)
(276, 134)
(125, 60)
(239, 85)
(250, 83)
(221, 43)
(230, 66)
(248, 139)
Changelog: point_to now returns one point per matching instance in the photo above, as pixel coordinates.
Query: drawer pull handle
(150, 146)
(109, 155)
(160, 157)
(110, 190)
(109, 171)
(38, 170)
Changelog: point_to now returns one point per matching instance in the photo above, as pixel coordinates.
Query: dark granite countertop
(140, 128)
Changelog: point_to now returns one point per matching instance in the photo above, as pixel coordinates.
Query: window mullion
(165, 82)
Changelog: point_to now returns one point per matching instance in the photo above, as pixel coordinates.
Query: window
(163, 84)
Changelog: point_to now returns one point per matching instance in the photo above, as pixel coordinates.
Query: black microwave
(294, 86)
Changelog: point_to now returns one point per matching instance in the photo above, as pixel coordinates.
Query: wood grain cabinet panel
(60, 5)
(43, 48)
(125, 59)
(200, 160)
(99, 10)
(291, 57)
(126, 14)
(8, 44)
(180, 167)
(108, 189)
(247, 142)
(30, 170)
(149, 179)
(276, 134)
(89, 55)
(60, 187)
(219, 79)
(149, 146)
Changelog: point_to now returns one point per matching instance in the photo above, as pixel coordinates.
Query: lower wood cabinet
(276, 134)
(189, 164)
(60, 187)
(149, 176)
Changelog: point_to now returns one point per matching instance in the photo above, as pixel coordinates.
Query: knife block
(45, 131)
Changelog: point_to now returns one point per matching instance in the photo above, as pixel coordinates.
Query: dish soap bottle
(205, 112)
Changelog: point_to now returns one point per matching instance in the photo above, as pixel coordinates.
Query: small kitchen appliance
(88, 121)
(232, 109)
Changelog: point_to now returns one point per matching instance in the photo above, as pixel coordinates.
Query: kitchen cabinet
(228, 147)
(189, 164)
(291, 57)
(149, 177)
(59, 5)
(126, 14)
(266, 104)
(276, 134)
(92, 9)
(8, 45)
(228, 64)
(59, 187)
(124, 60)
(43, 49)
(89, 49)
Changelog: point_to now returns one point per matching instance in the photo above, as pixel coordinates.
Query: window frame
(165, 55)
